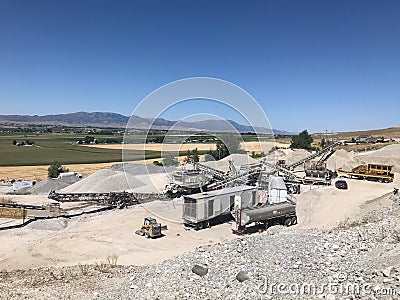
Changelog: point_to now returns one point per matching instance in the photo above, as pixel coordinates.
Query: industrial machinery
(246, 204)
(23, 211)
(283, 213)
(325, 153)
(277, 209)
(187, 182)
(112, 199)
(150, 228)
(373, 172)
(203, 210)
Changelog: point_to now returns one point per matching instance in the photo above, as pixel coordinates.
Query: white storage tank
(277, 190)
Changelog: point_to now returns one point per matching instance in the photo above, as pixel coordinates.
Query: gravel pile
(238, 160)
(389, 155)
(141, 169)
(342, 159)
(104, 181)
(290, 156)
(47, 185)
(392, 151)
(57, 224)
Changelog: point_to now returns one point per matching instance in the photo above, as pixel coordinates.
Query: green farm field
(57, 147)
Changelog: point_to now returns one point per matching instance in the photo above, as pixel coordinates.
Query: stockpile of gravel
(238, 160)
(389, 155)
(289, 155)
(104, 181)
(342, 159)
(56, 224)
(247, 268)
(296, 155)
(47, 185)
(141, 169)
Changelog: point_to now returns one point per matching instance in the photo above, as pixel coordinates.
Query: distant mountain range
(107, 119)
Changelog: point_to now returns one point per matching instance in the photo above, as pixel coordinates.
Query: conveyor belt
(312, 156)
(111, 199)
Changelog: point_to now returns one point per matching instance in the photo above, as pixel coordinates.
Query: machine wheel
(147, 235)
(294, 220)
(288, 222)
(207, 224)
(199, 226)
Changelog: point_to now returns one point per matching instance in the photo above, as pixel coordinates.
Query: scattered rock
(199, 270)
(387, 272)
(134, 286)
(242, 276)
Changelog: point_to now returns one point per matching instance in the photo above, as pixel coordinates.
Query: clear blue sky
(318, 65)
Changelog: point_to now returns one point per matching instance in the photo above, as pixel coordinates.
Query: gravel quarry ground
(346, 246)
(356, 261)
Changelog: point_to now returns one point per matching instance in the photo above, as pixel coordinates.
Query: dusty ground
(40, 172)
(248, 146)
(92, 238)
(327, 207)
(156, 147)
(262, 146)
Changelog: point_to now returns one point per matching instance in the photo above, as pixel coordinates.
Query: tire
(288, 222)
(294, 220)
(207, 224)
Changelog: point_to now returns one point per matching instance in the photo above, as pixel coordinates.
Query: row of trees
(224, 148)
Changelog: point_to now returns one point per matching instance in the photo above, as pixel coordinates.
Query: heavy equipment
(374, 172)
(150, 228)
(203, 210)
(325, 153)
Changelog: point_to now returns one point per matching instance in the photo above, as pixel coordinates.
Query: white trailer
(23, 184)
(205, 209)
(69, 174)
